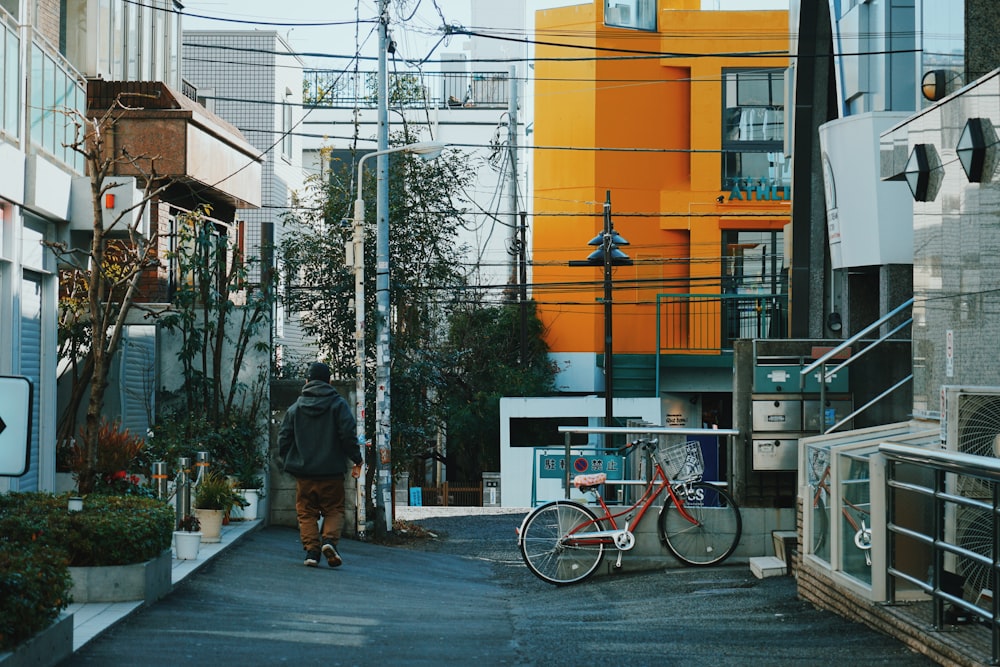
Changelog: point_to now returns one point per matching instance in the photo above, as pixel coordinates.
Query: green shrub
(111, 530)
(34, 588)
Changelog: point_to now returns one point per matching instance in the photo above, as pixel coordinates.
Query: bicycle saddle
(587, 482)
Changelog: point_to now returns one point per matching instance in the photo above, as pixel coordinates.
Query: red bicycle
(563, 541)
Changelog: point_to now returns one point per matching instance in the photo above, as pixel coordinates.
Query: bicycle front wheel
(549, 544)
(716, 529)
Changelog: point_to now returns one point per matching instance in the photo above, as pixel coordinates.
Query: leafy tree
(451, 358)
(218, 313)
(425, 272)
(484, 345)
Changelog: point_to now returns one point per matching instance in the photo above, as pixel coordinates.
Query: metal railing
(466, 90)
(825, 374)
(711, 322)
(609, 431)
(946, 537)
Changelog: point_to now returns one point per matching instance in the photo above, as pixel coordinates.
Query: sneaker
(332, 557)
(312, 559)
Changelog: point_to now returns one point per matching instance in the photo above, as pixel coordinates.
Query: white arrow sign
(15, 425)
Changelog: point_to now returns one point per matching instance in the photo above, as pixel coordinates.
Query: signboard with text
(553, 466)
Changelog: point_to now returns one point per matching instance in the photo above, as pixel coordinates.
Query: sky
(415, 42)
(421, 35)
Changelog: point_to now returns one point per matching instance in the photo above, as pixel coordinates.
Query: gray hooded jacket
(318, 434)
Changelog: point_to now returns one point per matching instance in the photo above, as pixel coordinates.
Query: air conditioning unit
(620, 13)
(971, 425)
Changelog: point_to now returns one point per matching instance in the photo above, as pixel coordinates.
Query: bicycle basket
(682, 462)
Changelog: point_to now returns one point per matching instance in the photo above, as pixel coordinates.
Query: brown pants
(315, 499)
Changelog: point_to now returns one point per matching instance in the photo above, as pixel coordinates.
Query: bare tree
(99, 287)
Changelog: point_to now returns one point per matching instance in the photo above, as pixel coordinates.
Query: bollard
(203, 460)
(183, 488)
(160, 479)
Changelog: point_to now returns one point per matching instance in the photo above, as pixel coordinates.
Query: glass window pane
(855, 517)
(32, 250)
(117, 41)
(132, 41)
(12, 7)
(12, 97)
(636, 14)
(103, 30)
(36, 94)
(49, 135)
(757, 175)
(753, 90)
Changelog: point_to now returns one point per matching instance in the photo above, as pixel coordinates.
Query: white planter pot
(186, 544)
(248, 513)
(211, 524)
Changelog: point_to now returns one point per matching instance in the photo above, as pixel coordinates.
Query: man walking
(316, 438)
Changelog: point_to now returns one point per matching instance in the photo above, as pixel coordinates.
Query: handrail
(856, 337)
(984, 467)
(824, 358)
(937, 538)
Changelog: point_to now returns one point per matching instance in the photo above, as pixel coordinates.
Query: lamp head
(428, 150)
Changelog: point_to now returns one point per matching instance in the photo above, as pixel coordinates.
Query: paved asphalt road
(465, 598)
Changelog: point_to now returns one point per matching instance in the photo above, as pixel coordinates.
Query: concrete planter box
(49, 647)
(147, 581)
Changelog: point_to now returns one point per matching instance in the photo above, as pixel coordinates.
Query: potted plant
(187, 538)
(244, 459)
(213, 497)
(251, 489)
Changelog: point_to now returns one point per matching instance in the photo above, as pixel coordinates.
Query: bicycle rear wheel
(714, 536)
(544, 547)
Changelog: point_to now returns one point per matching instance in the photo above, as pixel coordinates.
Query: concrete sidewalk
(91, 619)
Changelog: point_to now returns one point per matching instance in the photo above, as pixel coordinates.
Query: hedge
(34, 588)
(111, 530)
(40, 539)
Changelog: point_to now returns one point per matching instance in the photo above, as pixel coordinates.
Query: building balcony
(688, 324)
(443, 90)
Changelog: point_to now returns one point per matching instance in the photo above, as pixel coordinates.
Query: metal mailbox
(777, 453)
(777, 414)
(833, 412)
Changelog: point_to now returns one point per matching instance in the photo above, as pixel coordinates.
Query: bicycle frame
(621, 538)
(863, 531)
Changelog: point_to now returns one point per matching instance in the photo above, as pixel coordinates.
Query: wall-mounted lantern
(924, 172)
(977, 150)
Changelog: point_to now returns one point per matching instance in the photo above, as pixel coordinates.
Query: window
(753, 130)
(753, 280)
(635, 14)
(10, 48)
(54, 89)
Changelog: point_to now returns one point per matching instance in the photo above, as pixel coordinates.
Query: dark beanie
(319, 371)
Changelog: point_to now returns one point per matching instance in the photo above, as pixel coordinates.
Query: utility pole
(512, 151)
(522, 258)
(383, 433)
(607, 255)
(609, 356)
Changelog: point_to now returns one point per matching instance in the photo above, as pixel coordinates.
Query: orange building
(678, 113)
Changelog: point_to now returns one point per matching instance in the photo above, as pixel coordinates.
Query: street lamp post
(607, 255)
(427, 150)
